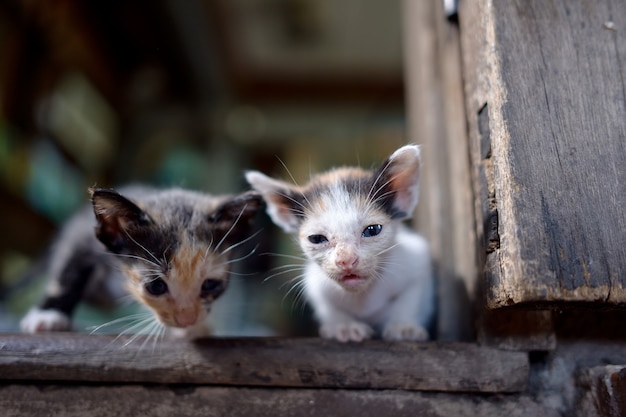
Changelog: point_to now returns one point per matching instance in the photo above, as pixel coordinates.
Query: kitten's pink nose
(185, 318)
(346, 260)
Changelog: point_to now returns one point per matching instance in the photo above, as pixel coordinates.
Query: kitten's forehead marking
(350, 178)
(340, 191)
(340, 204)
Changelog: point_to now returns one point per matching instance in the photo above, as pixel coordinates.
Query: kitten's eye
(317, 239)
(156, 287)
(372, 230)
(211, 287)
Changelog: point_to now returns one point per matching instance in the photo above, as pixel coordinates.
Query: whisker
(141, 326)
(124, 255)
(208, 249)
(297, 284)
(298, 297)
(242, 274)
(241, 258)
(232, 227)
(156, 263)
(231, 247)
(297, 280)
(152, 330)
(164, 256)
(299, 189)
(388, 249)
(295, 183)
(132, 317)
(287, 271)
(380, 174)
(131, 329)
(284, 255)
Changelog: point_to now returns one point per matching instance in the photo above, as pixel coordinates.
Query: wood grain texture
(436, 116)
(552, 76)
(162, 401)
(264, 362)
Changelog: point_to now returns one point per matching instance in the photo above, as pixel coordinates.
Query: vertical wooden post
(436, 117)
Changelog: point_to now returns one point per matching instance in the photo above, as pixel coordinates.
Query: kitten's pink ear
(399, 176)
(280, 200)
(117, 217)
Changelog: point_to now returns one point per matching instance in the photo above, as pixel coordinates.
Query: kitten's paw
(346, 332)
(45, 321)
(405, 331)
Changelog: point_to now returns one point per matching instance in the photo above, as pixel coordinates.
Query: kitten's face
(346, 219)
(174, 247)
(343, 231)
(182, 288)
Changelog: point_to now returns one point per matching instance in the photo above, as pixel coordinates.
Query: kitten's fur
(172, 247)
(366, 272)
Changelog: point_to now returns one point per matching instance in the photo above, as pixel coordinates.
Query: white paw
(346, 332)
(405, 331)
(45, 321)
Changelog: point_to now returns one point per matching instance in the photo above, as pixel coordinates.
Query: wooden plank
(264, 362)
(436, 117)
(133, 400)
(550, 74)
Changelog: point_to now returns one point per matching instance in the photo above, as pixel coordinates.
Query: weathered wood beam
(135, 400)
(263, 362)
(546, 106)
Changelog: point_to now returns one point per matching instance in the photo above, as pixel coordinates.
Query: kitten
(366, 272)
(170, 249)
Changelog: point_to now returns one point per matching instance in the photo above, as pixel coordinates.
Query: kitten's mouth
(352, 281)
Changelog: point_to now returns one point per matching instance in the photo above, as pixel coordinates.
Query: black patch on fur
(72, 282)
(125, 229)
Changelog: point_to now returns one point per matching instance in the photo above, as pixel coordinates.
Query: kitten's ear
(281, 199)
(236, 214)
(398, 178)
(117, 218)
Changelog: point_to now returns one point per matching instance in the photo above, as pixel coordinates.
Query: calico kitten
(366, 272)
(170, 249)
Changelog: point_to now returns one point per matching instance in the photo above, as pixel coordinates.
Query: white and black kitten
(170, 249)
(366, 272)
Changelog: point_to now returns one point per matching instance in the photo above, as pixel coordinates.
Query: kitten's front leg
(407, 316)
(350, 331)
(335, 324)
(399, 330)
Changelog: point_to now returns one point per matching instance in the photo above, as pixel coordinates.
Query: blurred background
(187, 93)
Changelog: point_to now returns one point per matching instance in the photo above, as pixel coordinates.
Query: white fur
(44, 320)
(399, 303)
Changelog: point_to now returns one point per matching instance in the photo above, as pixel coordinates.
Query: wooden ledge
(263, 362)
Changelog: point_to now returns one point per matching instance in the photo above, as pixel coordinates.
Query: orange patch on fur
(186, 264)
